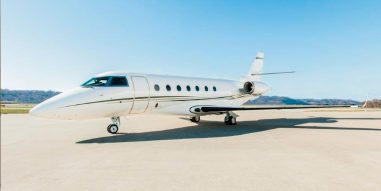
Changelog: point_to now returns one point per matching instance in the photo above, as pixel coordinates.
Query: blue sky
(335, 46)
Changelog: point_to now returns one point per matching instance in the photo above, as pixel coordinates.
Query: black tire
(113, 129)
(195, 119)
(228, 120)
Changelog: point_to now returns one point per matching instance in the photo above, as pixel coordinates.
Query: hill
(278, 100)
(25, 96)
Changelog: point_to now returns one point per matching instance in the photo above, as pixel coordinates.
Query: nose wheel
(113, 129)
(114, 126)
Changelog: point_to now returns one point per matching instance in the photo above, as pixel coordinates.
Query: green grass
(15, 109)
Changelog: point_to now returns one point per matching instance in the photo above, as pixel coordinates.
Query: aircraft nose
(41, 110)
(55, 107)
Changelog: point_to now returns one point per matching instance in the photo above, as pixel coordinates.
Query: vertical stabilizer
(256, 66)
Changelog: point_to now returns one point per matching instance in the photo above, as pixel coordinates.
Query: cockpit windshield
(106, 81)
(101, 81)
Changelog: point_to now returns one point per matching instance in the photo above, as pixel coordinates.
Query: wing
(223, 109)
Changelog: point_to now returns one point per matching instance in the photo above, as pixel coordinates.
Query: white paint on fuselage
(108, 101)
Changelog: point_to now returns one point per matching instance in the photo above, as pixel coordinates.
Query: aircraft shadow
(209, 129)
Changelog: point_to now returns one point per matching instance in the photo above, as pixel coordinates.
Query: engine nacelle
(254, 88)
(248, 88)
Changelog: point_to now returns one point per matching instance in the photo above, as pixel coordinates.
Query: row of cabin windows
(178, 87)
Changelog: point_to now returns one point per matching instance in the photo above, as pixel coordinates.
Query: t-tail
(256, 67)
(255, 72)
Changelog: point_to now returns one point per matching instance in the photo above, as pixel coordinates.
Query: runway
(267, 150)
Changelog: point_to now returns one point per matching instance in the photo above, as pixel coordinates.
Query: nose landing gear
(114, 126)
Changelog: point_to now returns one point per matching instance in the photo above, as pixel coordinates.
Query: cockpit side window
(99, 81)
(118, 81)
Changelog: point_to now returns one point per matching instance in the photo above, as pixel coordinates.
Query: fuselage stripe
(160, 99)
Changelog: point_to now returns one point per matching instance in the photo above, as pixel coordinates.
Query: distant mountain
(278, 100)
(26, 96)
(331, 102)
(37, 96)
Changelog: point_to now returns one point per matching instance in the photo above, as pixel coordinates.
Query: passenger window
(206, 88)
(157, 87)
(118, 81)
(214, 88)
(168, 87)
(178, 88)
(188, 88)
(197, 88)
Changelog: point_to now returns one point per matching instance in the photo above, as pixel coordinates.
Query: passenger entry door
(141, 94)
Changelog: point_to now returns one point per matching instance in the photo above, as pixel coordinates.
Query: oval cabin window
(168, 87)
(206, 88)
(178, 88)
(157, 87)
(214, 88)
(197, 88)
(188, 88)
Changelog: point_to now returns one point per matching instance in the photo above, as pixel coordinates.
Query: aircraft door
(141, 94)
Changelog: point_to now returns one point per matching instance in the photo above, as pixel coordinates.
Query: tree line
(26, 96)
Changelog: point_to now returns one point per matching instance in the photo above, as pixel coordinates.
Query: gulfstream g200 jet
(115, 94)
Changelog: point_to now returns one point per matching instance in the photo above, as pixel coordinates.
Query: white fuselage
(146, 93)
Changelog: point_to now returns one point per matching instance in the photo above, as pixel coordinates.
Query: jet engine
(254, 88)
(248, 88)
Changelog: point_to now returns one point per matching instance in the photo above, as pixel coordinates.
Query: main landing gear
(114, 126)
(231, 118)
(195, 119)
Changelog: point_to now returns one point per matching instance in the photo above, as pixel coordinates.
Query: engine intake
(254, 88)
(248, 88)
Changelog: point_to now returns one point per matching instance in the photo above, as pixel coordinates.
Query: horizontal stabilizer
(271, 73)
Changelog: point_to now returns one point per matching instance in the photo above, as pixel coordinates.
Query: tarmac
(266, 150)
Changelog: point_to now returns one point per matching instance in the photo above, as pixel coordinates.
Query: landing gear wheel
(195, 119)
(227, 120)
(234, 121)
(114, 126)
(113, 129)
(230, 120)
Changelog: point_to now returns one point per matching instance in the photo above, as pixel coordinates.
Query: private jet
(116, 94)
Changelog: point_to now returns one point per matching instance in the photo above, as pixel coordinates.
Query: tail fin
(256, 66)
(255, 71)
